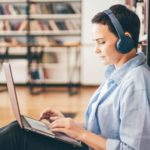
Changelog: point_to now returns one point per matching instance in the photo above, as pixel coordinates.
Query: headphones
(124, 43)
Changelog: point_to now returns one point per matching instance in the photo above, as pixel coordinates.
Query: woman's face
(105, 42)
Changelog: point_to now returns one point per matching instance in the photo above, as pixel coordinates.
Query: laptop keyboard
(38, 125)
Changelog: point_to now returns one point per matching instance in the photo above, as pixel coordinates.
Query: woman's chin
(104, 62)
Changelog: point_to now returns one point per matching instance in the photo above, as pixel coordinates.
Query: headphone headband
(124, 43)
(115, 23)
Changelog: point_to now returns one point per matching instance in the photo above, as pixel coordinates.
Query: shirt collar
(116, 75)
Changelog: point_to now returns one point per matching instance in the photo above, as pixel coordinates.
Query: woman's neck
(125, 58)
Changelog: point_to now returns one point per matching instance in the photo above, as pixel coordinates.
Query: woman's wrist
(83, 135)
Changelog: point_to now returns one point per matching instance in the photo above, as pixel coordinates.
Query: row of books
(56, 8)
(141, 12)
(43, 8)
(37, 72)
(9, 9)
(13, 41)
(50, 57)
(6, 25)
(132, 3)
(139, 7)
(43, 57)
(55, 25)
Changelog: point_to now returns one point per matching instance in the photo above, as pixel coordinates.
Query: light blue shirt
(121, 114)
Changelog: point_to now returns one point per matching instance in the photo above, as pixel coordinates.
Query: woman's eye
(103, 42)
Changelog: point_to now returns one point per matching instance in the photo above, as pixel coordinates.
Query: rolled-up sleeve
(117, 145)
(112, 144)
(134, 121)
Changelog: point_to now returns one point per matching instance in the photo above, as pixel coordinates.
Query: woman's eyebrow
(98, 39)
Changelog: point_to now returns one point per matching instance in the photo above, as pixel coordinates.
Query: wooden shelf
(39, 33)
(13, 1)
(42, 1)
(12, 17)
(13, 33)
(41, 45)
(53, 65)
(59, 32)
(55, 16)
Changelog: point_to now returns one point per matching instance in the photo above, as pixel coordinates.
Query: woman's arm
(92, 140)
(72, 129)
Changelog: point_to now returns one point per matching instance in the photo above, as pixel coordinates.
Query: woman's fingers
(46, 114)
(62, 123)
(50, 114)
(53, 118)
(62, 130)
(67, 126)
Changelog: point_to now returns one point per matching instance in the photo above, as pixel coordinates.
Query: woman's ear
(128, 34)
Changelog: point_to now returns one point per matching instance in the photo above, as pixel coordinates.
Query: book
(45, 9)
(1, 10)
(11, 10)
(35, 26)
(43, 25)
(35, 74)
(7, 10)
(34, 70)
(45, 73)
(1, 26)
(42, 40)
(23, 9)
(61, 25)
(7, 26)
(34, 9)
(50, 57)
(53, 25)
(62, 8)
(76, 24)
(76, 7)
(22, 25)
(69, 25)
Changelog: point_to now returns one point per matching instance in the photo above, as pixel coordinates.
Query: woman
(117, 116)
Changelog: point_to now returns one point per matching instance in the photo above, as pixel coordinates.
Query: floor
(57, 98)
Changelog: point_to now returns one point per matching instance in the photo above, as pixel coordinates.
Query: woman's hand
(67, 126)
(72, 129)
(51, 115)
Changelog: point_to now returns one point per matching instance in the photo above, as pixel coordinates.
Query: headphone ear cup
(125, 44)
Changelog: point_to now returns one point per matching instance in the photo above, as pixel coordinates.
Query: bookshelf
(140, 7)
(44, 29)
(148, 31)
(13, 36)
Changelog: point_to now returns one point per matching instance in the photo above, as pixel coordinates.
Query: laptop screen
(12, 92)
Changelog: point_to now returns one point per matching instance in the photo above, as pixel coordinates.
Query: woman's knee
(10, 136)
(12, 127)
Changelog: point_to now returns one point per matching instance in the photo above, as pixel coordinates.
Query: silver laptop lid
(12, 92)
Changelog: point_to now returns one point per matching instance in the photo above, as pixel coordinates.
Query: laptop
(28, 123)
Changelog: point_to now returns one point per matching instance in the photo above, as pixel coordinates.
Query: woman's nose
(97, 48)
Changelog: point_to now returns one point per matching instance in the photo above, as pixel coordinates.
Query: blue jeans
(12, 137)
